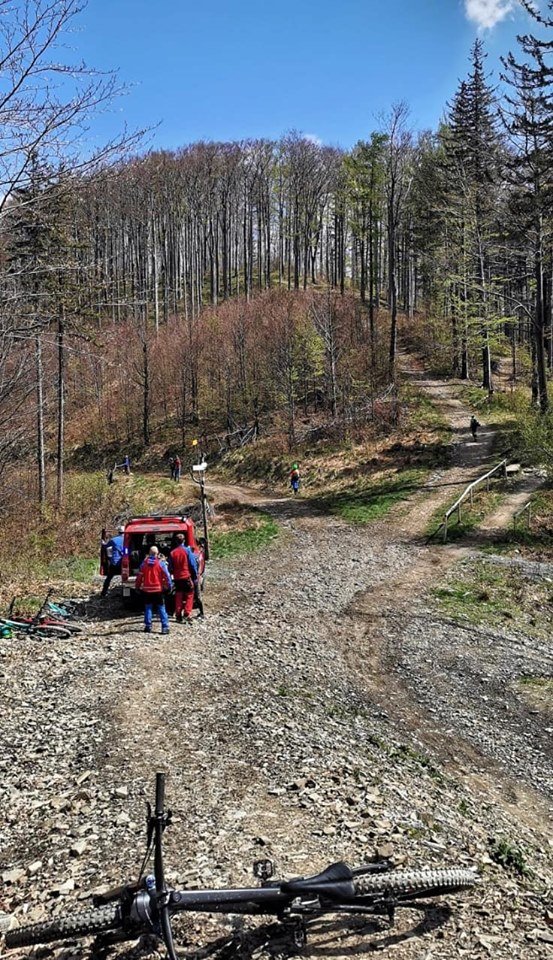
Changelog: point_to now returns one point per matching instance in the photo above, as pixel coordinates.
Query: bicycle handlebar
(160, 794)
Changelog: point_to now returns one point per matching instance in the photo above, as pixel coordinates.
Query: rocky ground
(323, 710)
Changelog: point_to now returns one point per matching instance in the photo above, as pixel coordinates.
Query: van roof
(152, 523)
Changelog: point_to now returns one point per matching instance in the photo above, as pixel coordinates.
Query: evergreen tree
(528, 117)
(472, 168)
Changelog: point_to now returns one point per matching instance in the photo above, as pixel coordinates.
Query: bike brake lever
(116, 893)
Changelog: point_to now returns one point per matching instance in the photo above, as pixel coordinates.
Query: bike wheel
(414, 883)
(72, 627)
(83, 924)
(47, 631)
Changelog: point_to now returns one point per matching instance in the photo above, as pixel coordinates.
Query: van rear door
(104, 562)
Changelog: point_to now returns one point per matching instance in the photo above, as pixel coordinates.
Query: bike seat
(335, 882)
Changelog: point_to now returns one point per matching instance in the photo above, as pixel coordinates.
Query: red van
(143, 532)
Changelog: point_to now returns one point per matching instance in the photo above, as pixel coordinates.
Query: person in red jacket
(182, 564)
(153, 579)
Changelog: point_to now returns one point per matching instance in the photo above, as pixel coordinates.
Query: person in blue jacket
(114, 550)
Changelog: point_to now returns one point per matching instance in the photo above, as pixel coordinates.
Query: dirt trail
(377, 657)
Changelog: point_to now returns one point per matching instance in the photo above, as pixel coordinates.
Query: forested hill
(200, 290)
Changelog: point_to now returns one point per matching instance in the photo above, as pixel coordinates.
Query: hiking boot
(179, 618)
(189, 621)
(165, 630)
(147, 629)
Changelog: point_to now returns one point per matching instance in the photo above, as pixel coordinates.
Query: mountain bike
(66, 610)
(47, 622)
(147, 906)
(43, 630)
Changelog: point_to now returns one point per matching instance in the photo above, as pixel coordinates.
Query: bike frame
(150, 902)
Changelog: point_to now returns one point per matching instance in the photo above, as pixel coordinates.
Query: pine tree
(472, 167)
(528, 117)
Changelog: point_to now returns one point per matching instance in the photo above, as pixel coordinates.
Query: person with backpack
(295, 478)
(112, 550)
(474, 424)
(184, 569)
(176, 468)
(154, 580)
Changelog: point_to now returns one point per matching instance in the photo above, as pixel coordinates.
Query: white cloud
(486, 13)
(313, 138)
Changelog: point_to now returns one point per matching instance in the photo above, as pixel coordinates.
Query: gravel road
(323, 710)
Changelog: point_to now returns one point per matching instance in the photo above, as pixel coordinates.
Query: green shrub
(508, 855)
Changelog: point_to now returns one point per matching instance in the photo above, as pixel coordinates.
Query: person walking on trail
(295, 478)
(183, 566)
(177, 468)
(114, 553)
(172, 467)
(474, 424)
(154, 580)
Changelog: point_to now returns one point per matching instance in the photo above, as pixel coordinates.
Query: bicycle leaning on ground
(148, 905)
(49, 622)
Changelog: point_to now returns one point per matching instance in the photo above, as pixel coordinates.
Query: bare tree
(398, 184)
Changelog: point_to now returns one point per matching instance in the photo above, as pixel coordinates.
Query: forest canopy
(205, 288)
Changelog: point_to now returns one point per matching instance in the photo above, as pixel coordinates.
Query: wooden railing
(469, 492)
(527, 508)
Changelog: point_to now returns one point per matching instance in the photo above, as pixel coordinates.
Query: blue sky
(230, 69)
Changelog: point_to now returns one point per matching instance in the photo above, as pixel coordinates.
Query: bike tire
(66, 927)
(414, 883)
(72, 627)
(49, 632)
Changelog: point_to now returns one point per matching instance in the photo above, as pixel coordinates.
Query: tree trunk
(61, 404)
(146, 394)
(487, 381)
(392, 273)
(539, 325)
(40, 422)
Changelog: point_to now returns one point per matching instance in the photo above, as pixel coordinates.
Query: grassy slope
(240, 530)
(484, 593)
(360, 477)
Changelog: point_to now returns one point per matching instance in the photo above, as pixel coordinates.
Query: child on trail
(295, 478)
(474, 424)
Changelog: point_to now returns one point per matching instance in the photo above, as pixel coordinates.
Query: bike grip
(160, 792)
